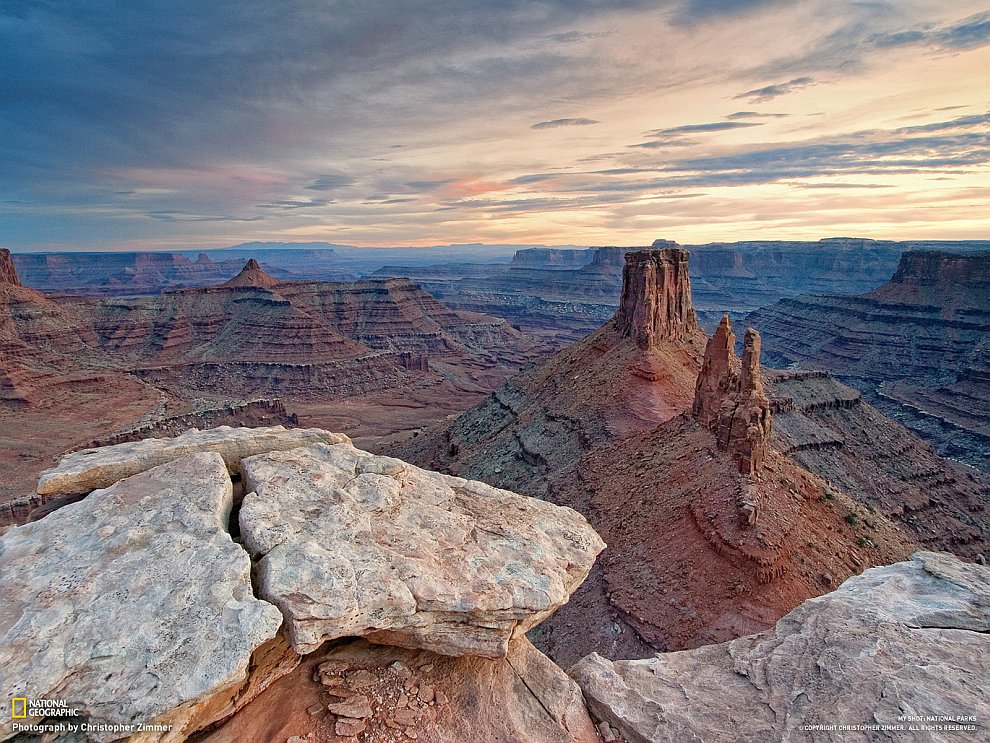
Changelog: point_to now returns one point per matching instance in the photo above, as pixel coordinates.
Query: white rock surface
(909, 639)
(356, 544)
(133, 605)
(89, 469)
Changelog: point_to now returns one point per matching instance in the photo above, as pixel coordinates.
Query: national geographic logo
(22, 708)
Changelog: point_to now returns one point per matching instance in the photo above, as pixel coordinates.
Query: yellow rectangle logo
(13, 708)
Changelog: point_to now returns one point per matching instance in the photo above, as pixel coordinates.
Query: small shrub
(851, 519)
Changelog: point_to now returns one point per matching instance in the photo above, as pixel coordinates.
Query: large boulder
(902, 650)
(135, 606)
(349, 543)
(82, 471)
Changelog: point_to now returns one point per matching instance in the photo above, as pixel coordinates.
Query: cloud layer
(194, 124)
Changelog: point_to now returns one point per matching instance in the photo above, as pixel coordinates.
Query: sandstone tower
(656, 297)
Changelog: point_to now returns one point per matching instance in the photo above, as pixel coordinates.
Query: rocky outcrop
(901, 650)
(139, 605)
(655, 304)
(387, 694)
(8, 273)
(349, 543)
(86, 470)
(134, 606)
(729, 397)
(911, 346)
(252, 275)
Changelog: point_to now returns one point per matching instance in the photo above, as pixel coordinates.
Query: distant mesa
(8, 274)
(252, 275)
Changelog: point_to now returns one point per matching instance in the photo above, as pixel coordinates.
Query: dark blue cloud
(695, 11)
(769, 92)
(715, 126)
(969, 33)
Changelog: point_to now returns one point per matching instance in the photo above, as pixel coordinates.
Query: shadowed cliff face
(656, 297)
(8, 274)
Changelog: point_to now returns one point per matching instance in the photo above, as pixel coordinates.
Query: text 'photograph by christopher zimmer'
(495, 371)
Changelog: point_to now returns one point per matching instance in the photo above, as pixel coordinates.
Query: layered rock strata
(916, 346)
(831, 430)
(349, 543)
(892, 649)
(730, 400)
(86, 470)
(134, 606)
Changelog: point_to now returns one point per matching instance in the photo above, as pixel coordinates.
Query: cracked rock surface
(134, 605)
(86, 470)
(910, 639)
(350, 543)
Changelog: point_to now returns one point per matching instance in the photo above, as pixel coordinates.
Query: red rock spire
(729, 397)
(656, 297)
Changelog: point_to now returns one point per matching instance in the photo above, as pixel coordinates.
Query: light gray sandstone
(134, 605)
(906, 640)
(89, 469)
(350, 543)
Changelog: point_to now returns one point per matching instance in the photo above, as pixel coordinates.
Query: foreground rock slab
(86, 470)
(904, 641)
(396, 695)
(350, 543)
(135, 606)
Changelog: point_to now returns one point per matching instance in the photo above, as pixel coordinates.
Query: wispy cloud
(331, 182)
(555, 123)
(755, 115)
(769, 92)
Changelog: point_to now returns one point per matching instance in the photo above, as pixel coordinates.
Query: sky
(188, 124)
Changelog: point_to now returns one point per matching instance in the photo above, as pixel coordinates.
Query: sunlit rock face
(908, 639)
(350, 543)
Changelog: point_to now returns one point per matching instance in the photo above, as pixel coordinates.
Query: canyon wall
(572, 292)
(915, 346)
